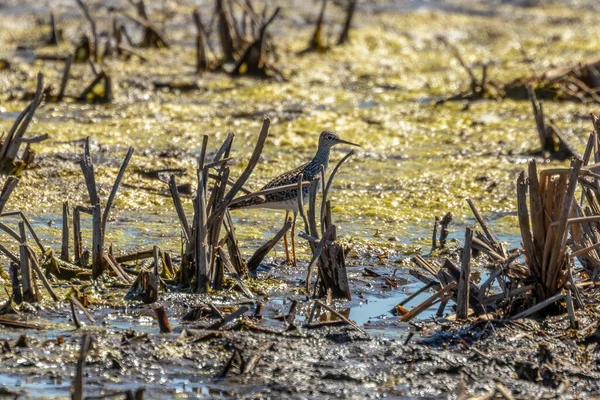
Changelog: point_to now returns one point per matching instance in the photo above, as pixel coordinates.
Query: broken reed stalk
(75, 316)
(11, 232)
(495, 244)
(17, 296)
(221, 201)
(202, 277)
(65, 78)
(462, 62)
(312, 200)
(145, 287)
(235, 357)
(99, 219)
(80, 306)
(40, 274)
(185, 227)
(55, 33)
(584, 226)
(137, 256)
(110, 261)
(552, 140)
(224, 29)
(300, 187)
(230, 269)
(332, 310)
(9, 185)
(434, 234)
(87, 168)
(10, 145)
(27, 225)
(551, 201)
(77, 243)
(539, 306)
(77, 386)
(542, 265)
(444, 232)
(26, 277)
(571, 310)
(263, 250)
(478, 88)
(152, 37)
(555, 273)
(328, 187)
(318, 249)
(196, 236)
(231, 317)
(253, 60)
(332, 277)
(427, 303)
(566, 149)
(317, 42)
(64, 249)
(163, 321)
(88, 93)
(214, 231)
(538, 115)
(115, 188)
(234, 23)
(249, 365)
(201, 38)
(416, 293)
(462, 305)
(470, 296)
(233, 247)
(350, 9)
(508, 294)
(88, 16)
(9, 254)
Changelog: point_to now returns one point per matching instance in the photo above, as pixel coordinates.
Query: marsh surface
(417, 161)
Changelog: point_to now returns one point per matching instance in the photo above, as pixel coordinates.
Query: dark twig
(86, 13)
(77, 388)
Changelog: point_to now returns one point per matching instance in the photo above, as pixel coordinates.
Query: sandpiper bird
(287, 199)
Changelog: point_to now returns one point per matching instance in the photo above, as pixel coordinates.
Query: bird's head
(329, 139)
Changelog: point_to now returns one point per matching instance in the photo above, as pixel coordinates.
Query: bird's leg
(294, 239)
(285, 241)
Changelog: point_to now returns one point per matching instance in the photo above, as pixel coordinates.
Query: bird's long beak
(347, 142)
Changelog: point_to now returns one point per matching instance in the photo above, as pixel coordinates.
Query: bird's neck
(321, 158)
(314, 166)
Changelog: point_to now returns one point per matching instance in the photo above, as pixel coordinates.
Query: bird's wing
(287, 178)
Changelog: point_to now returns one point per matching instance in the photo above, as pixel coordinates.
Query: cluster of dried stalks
(209, 254)
(574, 82)
(237, 27)
(559, 220)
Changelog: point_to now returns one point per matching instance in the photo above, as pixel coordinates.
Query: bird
(287, 199)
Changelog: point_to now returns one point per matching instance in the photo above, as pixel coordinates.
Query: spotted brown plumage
(288, 199)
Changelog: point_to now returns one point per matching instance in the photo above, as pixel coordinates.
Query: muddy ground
(418, 161)
(529, 359)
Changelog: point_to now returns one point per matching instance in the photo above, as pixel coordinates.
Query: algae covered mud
(420, 158)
